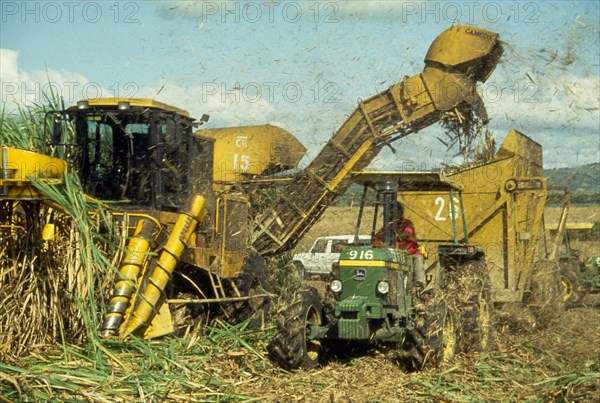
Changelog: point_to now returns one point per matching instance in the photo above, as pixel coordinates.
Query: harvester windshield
(137, 152)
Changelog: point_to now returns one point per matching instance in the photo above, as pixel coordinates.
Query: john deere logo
(360, 274)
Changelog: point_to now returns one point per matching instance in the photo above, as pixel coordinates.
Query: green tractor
(372, 297)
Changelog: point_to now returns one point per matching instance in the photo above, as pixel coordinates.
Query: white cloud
(8, 67)
(27, 87)
(559, 111)
(226, 106)
(548, 102)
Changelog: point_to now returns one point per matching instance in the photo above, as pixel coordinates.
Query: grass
(173, 369)
(24, 128)
(227, 363)
(51, 288)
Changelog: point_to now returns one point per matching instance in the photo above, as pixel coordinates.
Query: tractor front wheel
(292, 348)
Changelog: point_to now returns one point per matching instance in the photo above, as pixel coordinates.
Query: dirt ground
(559, 363)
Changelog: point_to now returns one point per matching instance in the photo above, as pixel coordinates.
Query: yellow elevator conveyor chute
(143, 279)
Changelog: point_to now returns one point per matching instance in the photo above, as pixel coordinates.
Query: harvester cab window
(136, 155)
(138, 182)
(95, 158)
(112, 157)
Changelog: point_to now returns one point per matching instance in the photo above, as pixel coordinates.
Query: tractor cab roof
(407, 181)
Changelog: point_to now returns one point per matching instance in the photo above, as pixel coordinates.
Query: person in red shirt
(406, 238)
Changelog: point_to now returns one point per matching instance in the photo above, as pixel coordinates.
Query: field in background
(342, 220)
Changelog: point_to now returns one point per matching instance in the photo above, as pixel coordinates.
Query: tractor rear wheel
(476, 323)
(572, 290)
(291, 348)
(441, 335)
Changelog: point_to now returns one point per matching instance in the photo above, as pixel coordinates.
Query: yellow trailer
(501, 210)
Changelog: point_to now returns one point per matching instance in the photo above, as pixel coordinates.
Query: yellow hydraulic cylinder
(129, 270)
(49, 232)
(148, 303)
(48, 236)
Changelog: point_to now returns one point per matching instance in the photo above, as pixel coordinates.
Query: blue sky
(303, 64)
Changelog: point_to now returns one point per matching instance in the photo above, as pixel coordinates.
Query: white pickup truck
(324, 252)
